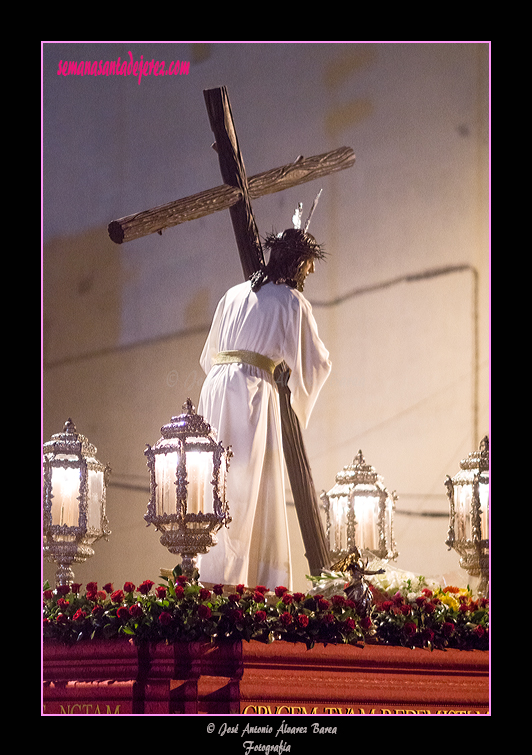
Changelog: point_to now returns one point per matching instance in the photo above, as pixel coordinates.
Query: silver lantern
(359, 513)
(468, 494)
(188, 477)
(74, 499)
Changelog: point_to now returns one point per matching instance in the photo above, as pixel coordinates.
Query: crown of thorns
(294, 243)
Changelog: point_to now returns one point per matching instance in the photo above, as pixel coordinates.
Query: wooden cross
(236, 194)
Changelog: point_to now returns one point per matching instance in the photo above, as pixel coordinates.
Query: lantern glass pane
(462, 503)
(65, 495)
(222, 480)
(165, 479)
(388, 516)
(338, 519)
(199, 488)
(483, 491)
(95, 484)
(367, 517)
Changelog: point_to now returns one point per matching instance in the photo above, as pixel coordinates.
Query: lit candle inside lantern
(365, 512)
(165, 478)
(65, 504)
(198, 465)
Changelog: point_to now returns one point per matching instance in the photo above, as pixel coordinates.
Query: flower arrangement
(184, 610)
(445, 617)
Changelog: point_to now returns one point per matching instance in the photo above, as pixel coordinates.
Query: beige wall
(123, 326)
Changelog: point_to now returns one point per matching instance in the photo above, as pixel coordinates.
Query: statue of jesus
(256, 326)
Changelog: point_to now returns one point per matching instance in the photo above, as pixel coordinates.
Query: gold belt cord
(240, 356)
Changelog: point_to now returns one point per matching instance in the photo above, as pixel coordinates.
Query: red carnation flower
(479, 631)
(365, 622)
(302, 620)
(63, 589)
(410, 628)
(286, 619)
(161, 592)
(405, 609)
(429, 607)
(135, 610)
(287, 598)
(48, 594)
(129, 587)
(299, 596)
(61, 618)
(107, 587)
(79, 615)
(261, 588)
(218, 589)
(204, 594)
(328, 618)
(258, 597)
(280, 591)
(62, 603)
(234, 597)
(260, 616)
(240, 588)
(179, 592)
(76, 587)
(323, 604)
(92, 586)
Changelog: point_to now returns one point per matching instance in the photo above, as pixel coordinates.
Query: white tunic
(241, 402)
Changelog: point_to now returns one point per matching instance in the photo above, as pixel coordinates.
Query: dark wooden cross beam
(236, 195)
